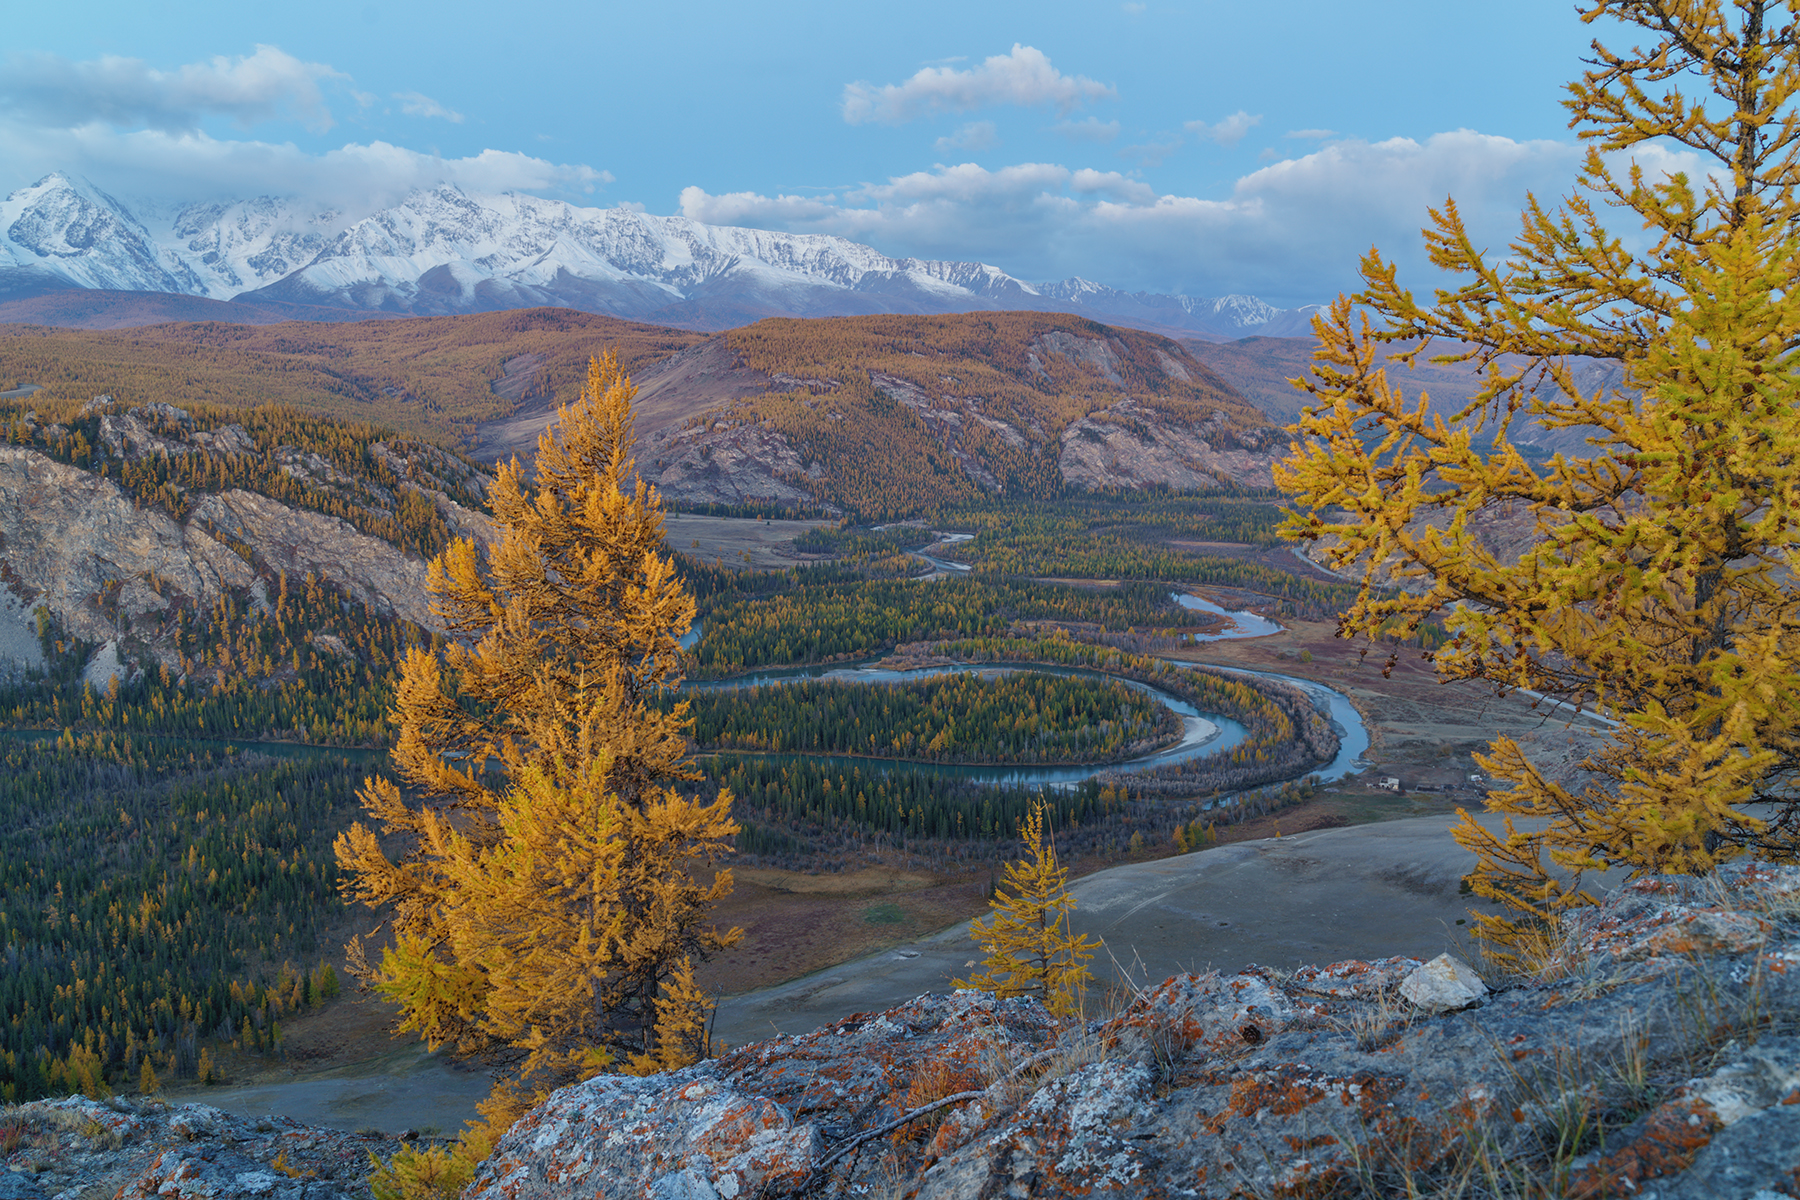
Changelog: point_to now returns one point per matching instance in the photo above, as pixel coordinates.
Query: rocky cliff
(116, 571)
(1656, 1053)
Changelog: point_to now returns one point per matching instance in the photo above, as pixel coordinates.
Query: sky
(1203, 147)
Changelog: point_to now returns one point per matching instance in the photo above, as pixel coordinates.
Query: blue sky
(1203, 147)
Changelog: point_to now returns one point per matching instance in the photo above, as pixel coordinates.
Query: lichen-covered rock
(77, 1147)
(1673, 1074)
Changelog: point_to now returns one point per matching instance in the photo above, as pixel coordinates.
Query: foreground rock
(1656, 1055)
(84, 1148)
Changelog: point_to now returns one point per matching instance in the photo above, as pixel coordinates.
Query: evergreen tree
(554, 891)
(1655, 587)
(1030, 949)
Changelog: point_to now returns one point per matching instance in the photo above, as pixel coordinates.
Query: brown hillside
(428, 376)
(882, 415)
(891, 415)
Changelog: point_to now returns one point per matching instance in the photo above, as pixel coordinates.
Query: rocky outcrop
(1657, 1054)
(1129, 445)
(134, 1151)
(77, 545)
(725, 460)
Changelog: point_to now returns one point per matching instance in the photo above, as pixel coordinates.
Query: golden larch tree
(1657, 586)
(555, 882)
(1030, 949)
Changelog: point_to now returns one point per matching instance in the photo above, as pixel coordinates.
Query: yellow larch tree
(1030, 949)
(555, 882)
(1656, 589)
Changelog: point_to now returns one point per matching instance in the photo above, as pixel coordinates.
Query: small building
(1389, 784)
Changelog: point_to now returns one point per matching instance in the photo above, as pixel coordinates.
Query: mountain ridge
(443, 250)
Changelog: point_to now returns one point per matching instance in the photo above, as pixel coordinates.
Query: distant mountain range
(446, 251)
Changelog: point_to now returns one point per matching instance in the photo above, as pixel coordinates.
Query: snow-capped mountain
(444, 250)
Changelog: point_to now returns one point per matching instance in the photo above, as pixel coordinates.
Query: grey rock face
(1128, 445)
(726, 461)
(365, 568)
(135, 1151)
(78, 545)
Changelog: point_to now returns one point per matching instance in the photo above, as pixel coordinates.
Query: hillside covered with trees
(432, 377)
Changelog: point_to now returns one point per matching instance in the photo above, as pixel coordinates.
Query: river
(408, 1088)
(1201, 734)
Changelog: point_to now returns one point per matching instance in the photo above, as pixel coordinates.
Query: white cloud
(1111, 185)
(417, 104)
(1023, 77)
(1291, 232)
(355, 178)
(1316, 135)
(976, 135)
(51, 91)
(1226, 132)
(1088, 129)
(1134, 9)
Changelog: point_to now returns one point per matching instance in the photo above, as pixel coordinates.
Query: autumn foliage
(1031, 951)
(556, 882)
(1657, 588)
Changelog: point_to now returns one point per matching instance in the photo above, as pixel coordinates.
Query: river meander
(1202, 733)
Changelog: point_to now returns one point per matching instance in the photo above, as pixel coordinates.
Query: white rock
(1444, 984)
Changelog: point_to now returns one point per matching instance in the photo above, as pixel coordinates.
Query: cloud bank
(1023, 77)
(1291, 232)
(138, 130)
(356, 178)
(52, 91)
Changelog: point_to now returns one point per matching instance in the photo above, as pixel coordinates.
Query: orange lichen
(1673, 1135)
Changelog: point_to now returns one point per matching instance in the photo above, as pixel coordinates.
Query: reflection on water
(944, 564)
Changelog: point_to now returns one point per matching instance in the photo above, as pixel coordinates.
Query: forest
(429, 377)
(313, 668)
(1249, 516)
(360, 473)
(1027, 717)
(828, 622)
(155, 893)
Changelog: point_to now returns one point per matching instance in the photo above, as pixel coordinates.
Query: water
(1353, 735)
(1202, 733)
(1243, 624)
(944, 565)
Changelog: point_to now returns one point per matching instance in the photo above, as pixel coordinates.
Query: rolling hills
(882, 416)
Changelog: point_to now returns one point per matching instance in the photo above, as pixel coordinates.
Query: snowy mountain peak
(444, 250)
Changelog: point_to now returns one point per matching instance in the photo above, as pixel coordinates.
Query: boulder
(1445, 984)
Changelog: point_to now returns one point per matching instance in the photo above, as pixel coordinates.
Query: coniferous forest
(167, 865)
